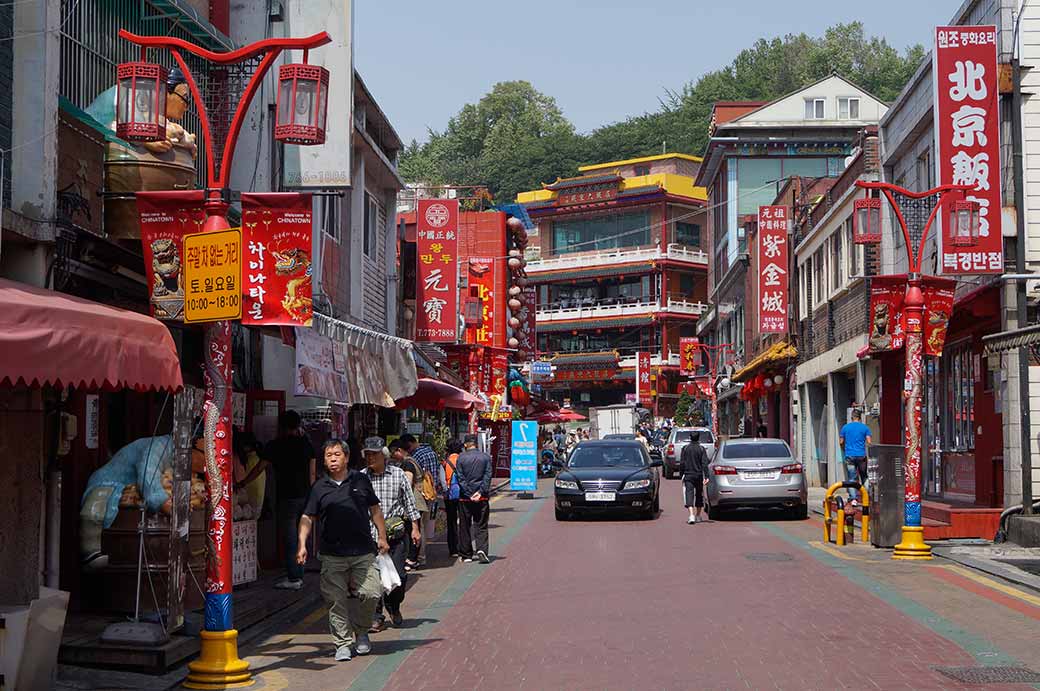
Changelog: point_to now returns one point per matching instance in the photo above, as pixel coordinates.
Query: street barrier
(834, 514)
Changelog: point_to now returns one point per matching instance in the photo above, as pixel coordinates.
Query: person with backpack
(451, 496)
(433, 487)
(400, 457)
(694, 466)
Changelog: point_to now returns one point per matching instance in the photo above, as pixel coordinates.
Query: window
(642, 170)
(815, 108)
(602, 232)
(688, 234)
(925, 171)
(803, 312)
(328, 207)
(958, 406)
(371, 221)
(853, 250)
(756, 182)
(848, 109)
(764, 449)
(819, 278)
(837, 282)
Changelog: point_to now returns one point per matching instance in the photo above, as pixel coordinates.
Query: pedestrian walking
(393, 489)
(433, 487)
(295, 470)
(694, 467)
(451, 495)
(400, 457)
(347, 506)
(473, 470)
(854, 438)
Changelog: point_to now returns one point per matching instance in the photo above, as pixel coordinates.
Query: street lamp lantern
(964, 223)
(141, 102)
(303, 91)
(867, 221)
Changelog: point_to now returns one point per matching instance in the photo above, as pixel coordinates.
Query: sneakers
(396, 618)
(691, 520)
(466, 560)
(482, 557)
(364, 646)
(343, 654)
(289, 584)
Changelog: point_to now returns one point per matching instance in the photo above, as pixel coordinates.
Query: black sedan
(608, 475)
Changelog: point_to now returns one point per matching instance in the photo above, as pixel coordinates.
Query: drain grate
(990, 675)
(768, 556)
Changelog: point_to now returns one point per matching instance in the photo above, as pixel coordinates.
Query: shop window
(848, 109)
(958, 409)
(688, 234)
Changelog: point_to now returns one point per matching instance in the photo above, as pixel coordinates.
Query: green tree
(684, 410)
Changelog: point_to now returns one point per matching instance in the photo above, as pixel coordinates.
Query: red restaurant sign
(276, 242)
(643, 384)
(587, 195)
(689, 356)
(967, 131)
(773, 288)
(482, 286)
(437, 274)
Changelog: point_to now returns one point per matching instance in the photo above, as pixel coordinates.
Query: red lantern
(302, 104)
(866, 223)
(141, 102)
(964, 223)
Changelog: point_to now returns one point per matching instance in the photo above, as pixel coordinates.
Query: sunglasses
(187, 101)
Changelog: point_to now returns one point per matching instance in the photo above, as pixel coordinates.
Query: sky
(602, 61)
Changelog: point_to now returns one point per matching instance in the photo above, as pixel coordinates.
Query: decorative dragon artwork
(166, 266)
(295, 262)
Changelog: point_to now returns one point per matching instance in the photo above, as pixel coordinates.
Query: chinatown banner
(437, 270)
(967, 133)
(938, 307)
(276, 242)
(165, 218)
(689, 355)
(481, 273)
(527, 314)
(773, 288)
(886, 313)
(319, 371)
(643, 383)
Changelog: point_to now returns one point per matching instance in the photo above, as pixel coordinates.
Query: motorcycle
(547, 465)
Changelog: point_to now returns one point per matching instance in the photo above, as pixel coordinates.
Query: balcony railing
(614, 307)
(679, 253)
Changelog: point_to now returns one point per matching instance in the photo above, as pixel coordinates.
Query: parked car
(606, 475)
(756, 473)
(678, 440)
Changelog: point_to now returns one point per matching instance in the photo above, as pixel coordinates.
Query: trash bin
(886, 489)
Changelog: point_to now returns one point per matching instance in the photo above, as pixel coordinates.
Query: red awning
(437, 395)
(569, 415)
(53, 338)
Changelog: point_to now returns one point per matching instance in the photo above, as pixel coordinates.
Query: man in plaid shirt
(394, 492)
(427, 459)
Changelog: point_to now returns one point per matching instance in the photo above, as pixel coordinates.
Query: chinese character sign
(643, 383)
(689, 356)
(276, 243)
(213, 275)
(938, 306)
(437, 270)
(967, 132)
(887, 331)
(773, 289)
(165, 218)
(482, 271)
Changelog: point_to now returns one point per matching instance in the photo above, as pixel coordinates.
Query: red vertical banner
(643, 384)
(689, 355)
(967, 142)
(773, 289)
(887, 331)
(437, 274)
(276, 244)
(938, 306)
(165, 218)
(527, 333)
(481, 273)
(499, 376)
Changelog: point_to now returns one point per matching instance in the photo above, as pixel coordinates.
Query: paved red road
(625, 604)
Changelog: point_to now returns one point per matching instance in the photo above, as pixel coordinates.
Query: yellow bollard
(866, 514)
(841, 526)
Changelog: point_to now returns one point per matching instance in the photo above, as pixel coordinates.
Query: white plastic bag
(387, 572)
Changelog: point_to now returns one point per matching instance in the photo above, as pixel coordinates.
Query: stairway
(943, 521)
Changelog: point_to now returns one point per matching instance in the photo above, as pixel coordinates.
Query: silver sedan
(756, 473)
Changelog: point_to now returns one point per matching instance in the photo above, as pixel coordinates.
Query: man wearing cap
(473, 470)
(400, 516)
(347, 505)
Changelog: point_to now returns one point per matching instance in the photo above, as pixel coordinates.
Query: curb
(991, 567)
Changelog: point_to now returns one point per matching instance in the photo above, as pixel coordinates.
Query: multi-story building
(619, 260)
(754, 148)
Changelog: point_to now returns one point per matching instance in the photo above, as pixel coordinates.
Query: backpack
(429, 490)
(453, 488)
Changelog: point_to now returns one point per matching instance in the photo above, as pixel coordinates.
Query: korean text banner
(318, 370)
(643, 384)
(938, 306)
(689, 355)
(887, 331)
(482, 272)
(967, 133)
(437, 270)
(165, 218)
(773, 289)
(276, 244)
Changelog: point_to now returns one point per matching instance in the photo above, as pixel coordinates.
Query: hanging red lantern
(866, 221)
(964, 223)
(302, 104)
(141, 102)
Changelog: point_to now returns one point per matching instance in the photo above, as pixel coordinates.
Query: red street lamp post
(712, 353)
(140, 115)
(915, 212)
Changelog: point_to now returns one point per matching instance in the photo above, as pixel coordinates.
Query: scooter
(547, 466)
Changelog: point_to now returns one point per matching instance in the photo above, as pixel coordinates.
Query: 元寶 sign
(437, 270)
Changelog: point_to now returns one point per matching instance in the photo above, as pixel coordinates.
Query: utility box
(886, 489)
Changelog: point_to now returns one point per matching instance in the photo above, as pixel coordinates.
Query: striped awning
(1010, 340)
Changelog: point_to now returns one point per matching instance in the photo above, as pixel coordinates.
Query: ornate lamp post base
(218, 665)
(912, 546)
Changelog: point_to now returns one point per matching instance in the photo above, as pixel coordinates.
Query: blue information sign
(523, 466)
(541, 368)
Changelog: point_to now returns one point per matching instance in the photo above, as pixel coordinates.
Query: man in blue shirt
(855, 438)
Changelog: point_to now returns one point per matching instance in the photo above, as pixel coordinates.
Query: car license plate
(599, 496)
(760, 475)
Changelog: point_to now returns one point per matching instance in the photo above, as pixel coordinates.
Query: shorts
(693, 488)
